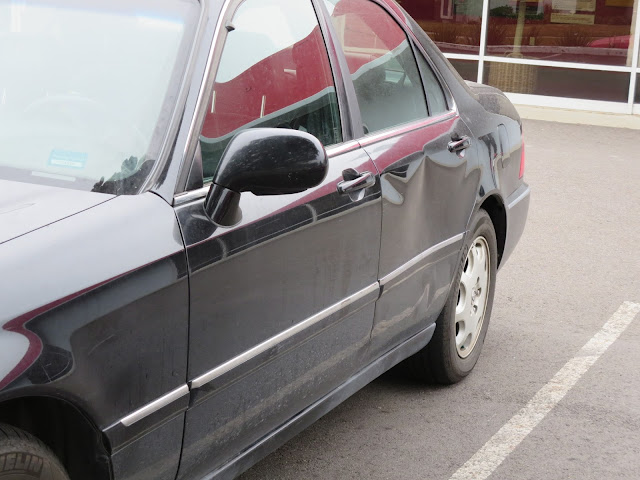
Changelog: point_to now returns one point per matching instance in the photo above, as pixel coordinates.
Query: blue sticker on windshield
(66, 158)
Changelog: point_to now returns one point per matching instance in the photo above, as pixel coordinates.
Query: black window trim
(374, 137)
(204, 88)
(337, 72)
(448, 98)
(418, 48)
(355, 138)
(186, 188)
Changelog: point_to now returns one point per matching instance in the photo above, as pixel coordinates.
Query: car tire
(24, 457)
(462, 325)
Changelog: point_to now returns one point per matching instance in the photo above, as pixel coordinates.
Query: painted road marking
(493, 453)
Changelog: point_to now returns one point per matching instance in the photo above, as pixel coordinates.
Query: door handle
(356, 182)
(459, 144)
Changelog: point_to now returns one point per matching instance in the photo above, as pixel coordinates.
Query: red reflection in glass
(276, 82)
(366, 34)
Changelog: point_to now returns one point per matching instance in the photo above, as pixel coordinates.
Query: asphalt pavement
(556, 392)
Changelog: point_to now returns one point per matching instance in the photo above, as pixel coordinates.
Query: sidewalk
(579, 117)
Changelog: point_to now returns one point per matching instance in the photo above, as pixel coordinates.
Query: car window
(87, 89)
(274, 72)
(381, 63)
(435, 95)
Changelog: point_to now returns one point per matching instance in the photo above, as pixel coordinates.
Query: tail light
(522, 159)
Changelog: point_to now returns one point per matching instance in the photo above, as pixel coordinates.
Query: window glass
(381, 63)
(468, 69)
(274, 72)
(454, 25)
(576, 31)
(435, 96)
(558, 82)
(87, 89)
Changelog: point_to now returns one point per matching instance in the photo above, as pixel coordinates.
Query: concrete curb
(579, 117)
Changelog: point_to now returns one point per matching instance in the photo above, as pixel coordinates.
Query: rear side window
(274, 72)
(381, 62)
(435, 95)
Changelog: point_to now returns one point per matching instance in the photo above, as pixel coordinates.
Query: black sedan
(219, 219)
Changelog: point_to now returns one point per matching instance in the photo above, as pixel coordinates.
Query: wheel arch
(494, 206)
(65, 429)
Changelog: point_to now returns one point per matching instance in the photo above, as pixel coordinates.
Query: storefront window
(579, 31)
(529, 34)
(454, 25)
(558, 82)
(468, 69)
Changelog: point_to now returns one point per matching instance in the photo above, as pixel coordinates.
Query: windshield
(87, 88)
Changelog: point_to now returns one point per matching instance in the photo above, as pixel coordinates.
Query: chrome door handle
(459, 144)
(361, 181)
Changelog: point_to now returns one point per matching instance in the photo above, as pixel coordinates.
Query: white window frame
(627, 107)
(448, 14)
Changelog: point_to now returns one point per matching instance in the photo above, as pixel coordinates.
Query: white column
(635, 35)
(483, 38)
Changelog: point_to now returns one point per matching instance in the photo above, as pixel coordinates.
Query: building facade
(577, 54)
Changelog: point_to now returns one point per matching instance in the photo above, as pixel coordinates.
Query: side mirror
(264, 161)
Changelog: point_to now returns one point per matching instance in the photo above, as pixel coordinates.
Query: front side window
(274, 72)
(86, 88)
(381, 63)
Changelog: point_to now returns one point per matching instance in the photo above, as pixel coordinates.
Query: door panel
(428, 193)
(282, 304)
(292, 259)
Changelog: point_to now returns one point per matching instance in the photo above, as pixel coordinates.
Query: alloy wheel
(472, 296)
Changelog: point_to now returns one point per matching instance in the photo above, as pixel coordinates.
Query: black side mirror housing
(264, 161)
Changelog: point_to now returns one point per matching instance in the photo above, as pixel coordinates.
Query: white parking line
(493, 453)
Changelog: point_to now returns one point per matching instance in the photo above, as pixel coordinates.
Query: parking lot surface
(538, 405)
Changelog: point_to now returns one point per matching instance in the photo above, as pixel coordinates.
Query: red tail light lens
(522, 159)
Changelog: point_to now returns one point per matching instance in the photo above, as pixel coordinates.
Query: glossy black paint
(111, 302)
(297, 254)
(264, 161)
(100, 320)
(272, 161)
(419, 174)
(26, 207)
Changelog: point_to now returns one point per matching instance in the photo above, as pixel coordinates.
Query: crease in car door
(282, 303)
(423, 184)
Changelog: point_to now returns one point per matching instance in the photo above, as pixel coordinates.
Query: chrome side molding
(154, 406)
(211, 375)
(419, 258)
(273, 341)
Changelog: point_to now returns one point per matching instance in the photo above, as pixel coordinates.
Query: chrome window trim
(165, 155)
(206, 85)
(273, 341)
(154, 406)
(191, 195)
(341, 148)
(405, 128)
(419, 258)
(200, 193)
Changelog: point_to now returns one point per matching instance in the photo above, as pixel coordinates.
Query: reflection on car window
(86, 89)
(435, 96)
(381, 63)
(274, 72)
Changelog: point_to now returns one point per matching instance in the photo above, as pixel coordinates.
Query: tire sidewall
(23, 457)
(461, 367)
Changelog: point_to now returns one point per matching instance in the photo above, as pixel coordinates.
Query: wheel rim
(472, 296)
